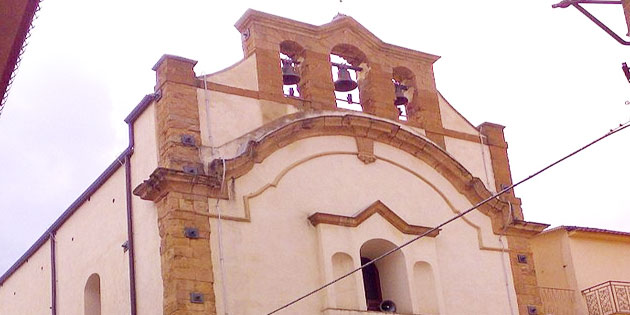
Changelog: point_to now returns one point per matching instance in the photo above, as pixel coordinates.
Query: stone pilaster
(317, 85)
(501, 164)
(524, 274)
(185, 259)
(377, 91)
(177, 114)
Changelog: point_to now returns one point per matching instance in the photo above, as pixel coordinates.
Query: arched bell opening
(404, 84)
(290, 60)
(347, 63)
(386, 279)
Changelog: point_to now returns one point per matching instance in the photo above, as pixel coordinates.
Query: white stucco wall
(474, 157)
(224, 117)
(28, 290)
(453, 120)
(242, 74)
(90, 242)
(146, 234)
(278, 255)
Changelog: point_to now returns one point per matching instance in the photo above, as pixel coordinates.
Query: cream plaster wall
(146, 234)
(279, 255)
(242, 74)
(553, 261)
(225, 117)
(599, 260)
(453, 120)
(579, 261)
(474, 157)
(90, 242)
(28, 290)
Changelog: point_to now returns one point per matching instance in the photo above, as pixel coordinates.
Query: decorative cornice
(376, 207)
(525, 228)
(163, 181)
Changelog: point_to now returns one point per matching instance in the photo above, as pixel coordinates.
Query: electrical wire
(611, 132)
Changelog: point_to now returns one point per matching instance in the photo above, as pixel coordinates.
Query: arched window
(389, 275)
(92, 295)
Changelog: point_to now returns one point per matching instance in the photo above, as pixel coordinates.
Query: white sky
(550, 75)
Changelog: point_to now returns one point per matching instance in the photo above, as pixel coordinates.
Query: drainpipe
(132, 265)
(53, 275)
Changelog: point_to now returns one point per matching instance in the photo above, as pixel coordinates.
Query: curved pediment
(341, 27)
(304, 125)
(377, 207)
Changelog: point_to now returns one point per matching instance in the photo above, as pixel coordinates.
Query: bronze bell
(344, 82)
(401, 99)
(289, 75)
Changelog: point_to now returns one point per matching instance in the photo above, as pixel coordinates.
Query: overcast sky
(550, 75)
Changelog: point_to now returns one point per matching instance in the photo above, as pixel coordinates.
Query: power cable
(610, 133)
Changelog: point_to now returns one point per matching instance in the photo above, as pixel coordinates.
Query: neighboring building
(583, 270)
(238, 193)
(16, 17)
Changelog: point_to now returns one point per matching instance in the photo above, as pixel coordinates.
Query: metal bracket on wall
(576, 3)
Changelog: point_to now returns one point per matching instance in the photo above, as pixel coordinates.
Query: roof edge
(100, 180)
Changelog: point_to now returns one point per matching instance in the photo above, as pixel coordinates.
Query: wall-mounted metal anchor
(196, 297)
(191, 232)
(188, 140)
(193, 170)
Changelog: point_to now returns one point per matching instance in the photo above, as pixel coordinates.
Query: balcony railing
(611, 297)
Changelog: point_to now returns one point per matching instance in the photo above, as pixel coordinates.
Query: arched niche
(92, 295)
(389, 276)
(426, 293)
(345, 290)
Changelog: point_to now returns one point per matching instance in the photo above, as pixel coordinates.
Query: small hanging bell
(344, 82)
(401, 99)
(289, 75)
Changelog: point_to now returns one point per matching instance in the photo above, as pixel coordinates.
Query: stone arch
(345, 290)
(291, 49)
(92, 295)
(303, 125)
(351, 53)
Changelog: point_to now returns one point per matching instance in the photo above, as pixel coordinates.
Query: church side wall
(27, 291)
(146, 236)
(90, 242)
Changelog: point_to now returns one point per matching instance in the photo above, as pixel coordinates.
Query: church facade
(240, 191)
